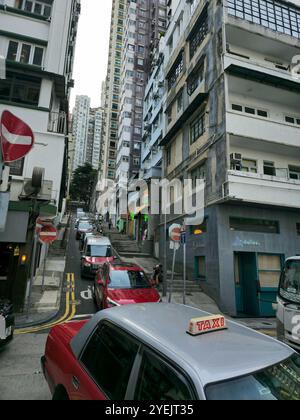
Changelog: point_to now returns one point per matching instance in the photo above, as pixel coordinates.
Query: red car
(119, 284)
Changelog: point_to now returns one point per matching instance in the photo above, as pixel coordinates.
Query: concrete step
(130, 254)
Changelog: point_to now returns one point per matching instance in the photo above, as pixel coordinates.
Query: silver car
(181, 353)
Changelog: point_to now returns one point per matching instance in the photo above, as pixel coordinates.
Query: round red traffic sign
(48, 234)
(17, 138)
(175, 233)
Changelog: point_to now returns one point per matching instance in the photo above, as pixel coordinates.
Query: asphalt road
(85, 306)
(21, 377)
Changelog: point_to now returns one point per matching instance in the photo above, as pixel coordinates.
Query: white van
(288, 304)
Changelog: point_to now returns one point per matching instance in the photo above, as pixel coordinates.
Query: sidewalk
(45, 304)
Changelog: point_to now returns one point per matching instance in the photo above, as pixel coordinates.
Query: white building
(80, 129)
(154, 119)
(37, 39)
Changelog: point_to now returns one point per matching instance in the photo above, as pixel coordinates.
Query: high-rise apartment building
(145, 23)
(112, 94)
(80, 129)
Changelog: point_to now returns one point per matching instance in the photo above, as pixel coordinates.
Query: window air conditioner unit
(236, 158)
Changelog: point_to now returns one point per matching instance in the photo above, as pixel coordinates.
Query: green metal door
(248, 284)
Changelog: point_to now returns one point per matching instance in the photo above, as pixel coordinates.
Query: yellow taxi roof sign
(207, 324)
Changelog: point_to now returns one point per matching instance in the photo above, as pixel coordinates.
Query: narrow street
(20, 362)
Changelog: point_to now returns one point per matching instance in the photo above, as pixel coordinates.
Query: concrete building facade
(232, 119)
(36, 89)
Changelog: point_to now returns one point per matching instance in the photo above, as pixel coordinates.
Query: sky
(91, 50)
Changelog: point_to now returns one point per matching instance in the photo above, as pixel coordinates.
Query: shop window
(269, 270)
(254, 225)
(201, 268)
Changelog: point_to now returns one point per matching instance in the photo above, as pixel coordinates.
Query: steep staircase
(129, 251)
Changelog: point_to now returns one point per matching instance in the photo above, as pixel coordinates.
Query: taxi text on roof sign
(207, 324)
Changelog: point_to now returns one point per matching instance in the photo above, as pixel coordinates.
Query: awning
(16, 228)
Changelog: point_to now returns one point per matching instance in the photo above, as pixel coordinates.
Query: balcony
(248, 127)
(262, 189)
(57, 123)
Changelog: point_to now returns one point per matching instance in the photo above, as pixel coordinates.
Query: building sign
(4, 202)
(246, 242)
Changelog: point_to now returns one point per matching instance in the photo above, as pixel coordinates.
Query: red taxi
(118, 284)
(96, 251)
(162, 352)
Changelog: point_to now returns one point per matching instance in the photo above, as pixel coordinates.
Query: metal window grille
(269, 13)
(198, 34)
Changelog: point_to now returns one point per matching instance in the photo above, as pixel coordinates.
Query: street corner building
(37, 40)
(232, 118)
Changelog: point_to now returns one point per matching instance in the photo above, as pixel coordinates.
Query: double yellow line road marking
(69, 314)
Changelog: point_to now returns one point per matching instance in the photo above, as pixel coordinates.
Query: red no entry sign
(48, 234)
(175, 233)
(16, 137)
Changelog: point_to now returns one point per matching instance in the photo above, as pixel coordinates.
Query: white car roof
(92, 240)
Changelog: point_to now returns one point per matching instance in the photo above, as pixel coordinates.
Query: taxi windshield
(277, 383)
(290, 281)
(85, 226)
(99, 251)
(121, 279)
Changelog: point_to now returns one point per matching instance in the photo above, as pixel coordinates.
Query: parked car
(162, 352)
(84, 226)
(96, 251)
(119, 284)
(7, 322)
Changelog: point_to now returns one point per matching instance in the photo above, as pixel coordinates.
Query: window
(12, 51)
(199, 33)
(25, 53)
(271, 14)
(237, 108)
(298, 228)
(269, 270)
(201, 268)
(249, 166)
(169, 115)
(36, 7)
(109, 358)
(269, 168)
(198, 173)
(176, 71)
(16, 168)
(158, 381)
(250, 110)
(169, 156)
(20, 88)
(197, 128)
(180, 103)
(195, 80)
(294, 172)
(254, 225)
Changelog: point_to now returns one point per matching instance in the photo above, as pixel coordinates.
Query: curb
(38, 323)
